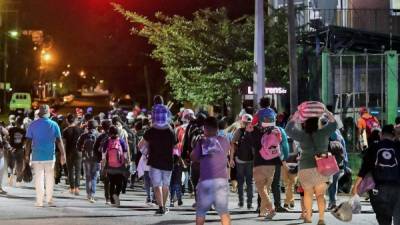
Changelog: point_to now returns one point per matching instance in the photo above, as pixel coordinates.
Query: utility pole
(259, 57)
(292, 57)
(147, 84)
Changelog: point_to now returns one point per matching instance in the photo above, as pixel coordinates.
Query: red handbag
(326, 164)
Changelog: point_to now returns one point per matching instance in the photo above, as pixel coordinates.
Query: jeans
(15, 162)
(176, 189)
(74, 162)
(213, 192)
(147, 185)
(91, 168)
(44, 179)
(106, 182)
(244, 172)
(386, 203)
(186, 182)
(2, 169)
(276, 186)
(195, 176)
(333, 187)
(116, 181)
(160, 178)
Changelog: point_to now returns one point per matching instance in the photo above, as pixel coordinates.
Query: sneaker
(280, 209)
(240, 204)
(51, 204)
(92, 200)
(171, 205)
(116, 200)
(180, 203)
(331, 207)
(270, 215)
(108, 202)
(39, 205)
(76, 192)
(160, 211)
(166, 210)
(2, 192)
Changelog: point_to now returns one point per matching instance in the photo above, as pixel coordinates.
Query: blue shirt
(43, 133)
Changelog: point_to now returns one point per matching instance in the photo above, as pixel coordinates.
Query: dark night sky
(89, 34)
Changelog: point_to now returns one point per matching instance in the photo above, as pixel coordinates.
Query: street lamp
(47, 57)
(13, 34)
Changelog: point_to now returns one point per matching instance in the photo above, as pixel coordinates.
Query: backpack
(271, 143)
(115, 154)
(88, 151)
(387, 167)
(370, 124)
(245, 149)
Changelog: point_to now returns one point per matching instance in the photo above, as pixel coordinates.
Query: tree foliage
(206, 58)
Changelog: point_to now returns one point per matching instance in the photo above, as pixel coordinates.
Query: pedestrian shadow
(17, 197)
(176, 222)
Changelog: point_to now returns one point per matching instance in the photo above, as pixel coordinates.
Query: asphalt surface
(17, 207)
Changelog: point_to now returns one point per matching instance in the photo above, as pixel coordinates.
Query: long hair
(311, 125)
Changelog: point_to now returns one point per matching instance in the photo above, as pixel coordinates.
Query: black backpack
(88, 151)
(387, 168)
(245, 146)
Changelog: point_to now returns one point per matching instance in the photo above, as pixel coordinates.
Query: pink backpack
(271, 144)
(115, 154)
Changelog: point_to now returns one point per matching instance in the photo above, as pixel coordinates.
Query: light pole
(259, 57)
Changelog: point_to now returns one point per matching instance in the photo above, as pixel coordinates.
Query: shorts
(159, 177)
(310, 178)
(212, 192)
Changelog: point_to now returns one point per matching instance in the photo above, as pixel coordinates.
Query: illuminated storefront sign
(269, 91)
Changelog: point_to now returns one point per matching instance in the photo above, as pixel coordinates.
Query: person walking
(115, 161)
(271, 151)
(74, 157)
(4, 146)
(17, 140)
(337, 146)
(211, 151)
(91, 158)
(381, 160)
(98, 147)
(161, 140)
(313, 142)
(241, 157)
(42, 135)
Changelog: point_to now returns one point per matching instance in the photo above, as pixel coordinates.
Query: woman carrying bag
(304, 128)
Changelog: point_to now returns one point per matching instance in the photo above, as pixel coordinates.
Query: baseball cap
(247, 118)
(44, 111)
(188, 113)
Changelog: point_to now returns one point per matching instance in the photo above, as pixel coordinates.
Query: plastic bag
(355, 204)
(344, 212)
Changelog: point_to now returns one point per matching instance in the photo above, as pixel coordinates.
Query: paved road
(17, 207)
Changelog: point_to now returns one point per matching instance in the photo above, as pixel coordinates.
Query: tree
(208, 57)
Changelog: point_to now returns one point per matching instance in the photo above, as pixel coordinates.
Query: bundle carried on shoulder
(310, 109)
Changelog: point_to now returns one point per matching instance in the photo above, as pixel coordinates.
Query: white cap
(247, 118)
(187, 113)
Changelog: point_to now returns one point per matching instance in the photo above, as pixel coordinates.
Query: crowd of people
(200, 154)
